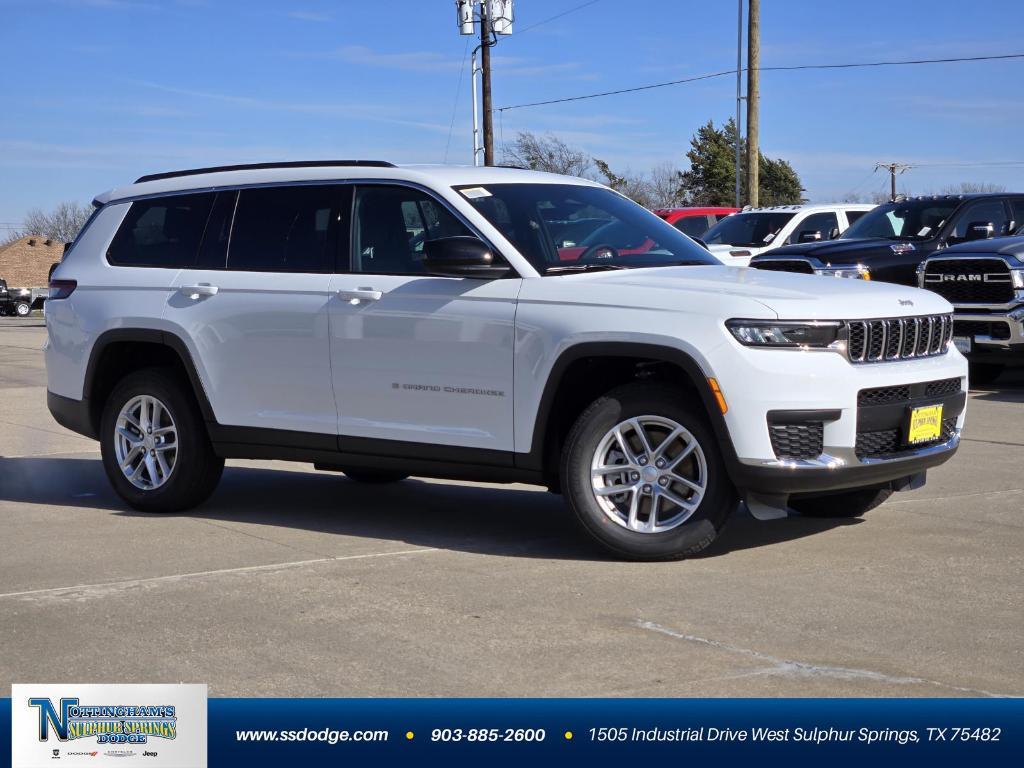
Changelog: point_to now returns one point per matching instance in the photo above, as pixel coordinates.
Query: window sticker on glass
(769, 237)
(474, 193)
(924, 231)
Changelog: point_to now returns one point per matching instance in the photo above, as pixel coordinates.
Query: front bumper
(1010, 324)
(764, 384)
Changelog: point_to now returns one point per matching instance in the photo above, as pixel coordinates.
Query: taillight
(61, 289)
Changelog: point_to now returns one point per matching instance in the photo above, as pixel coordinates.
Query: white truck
(736, 239)
(387, 321)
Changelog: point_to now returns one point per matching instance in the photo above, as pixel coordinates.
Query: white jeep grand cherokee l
(391, 321)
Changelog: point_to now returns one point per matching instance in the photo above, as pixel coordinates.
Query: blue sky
(97, 92)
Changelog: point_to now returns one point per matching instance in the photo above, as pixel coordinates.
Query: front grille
(994, 330)
(942, 387)
(970, 281)
(887, 443)
(883, 395)
(901, 393)
(785, 265)
(798, 441)
(876, 341)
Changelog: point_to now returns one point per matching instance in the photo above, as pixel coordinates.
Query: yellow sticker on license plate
(925, 424)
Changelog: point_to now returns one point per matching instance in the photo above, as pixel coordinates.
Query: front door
(417, 358)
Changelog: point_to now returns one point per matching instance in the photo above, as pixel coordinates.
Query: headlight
(1017, 275)
(856, 272)
(797, 334)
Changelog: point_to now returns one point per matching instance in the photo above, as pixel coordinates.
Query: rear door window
(285, 229)
(162, 232)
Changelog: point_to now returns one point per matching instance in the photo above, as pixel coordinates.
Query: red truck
(694, 221)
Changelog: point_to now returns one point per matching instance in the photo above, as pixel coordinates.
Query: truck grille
(886, 443)
(900, 338)
(970, 281)
(785, 265)
(798, 441)
(994, 330)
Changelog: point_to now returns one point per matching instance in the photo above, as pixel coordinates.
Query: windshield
(747, 229)
(571, 227)
(907, 220)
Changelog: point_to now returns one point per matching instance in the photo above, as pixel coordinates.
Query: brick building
(26, 262)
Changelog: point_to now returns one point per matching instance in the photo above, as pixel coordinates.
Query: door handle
(360, 294)
(195, 292)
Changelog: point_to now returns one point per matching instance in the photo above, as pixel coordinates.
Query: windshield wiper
(568, 268)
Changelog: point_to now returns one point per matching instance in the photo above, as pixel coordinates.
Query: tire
(22, 309)
(848, 504)
(659, 410)
(194, 469)
(374, 476)
(984, 373)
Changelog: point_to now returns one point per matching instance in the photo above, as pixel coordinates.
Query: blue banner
(385, 732)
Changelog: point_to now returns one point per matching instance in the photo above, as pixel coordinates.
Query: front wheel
(642, 472)
(155, 448)
(848, 504)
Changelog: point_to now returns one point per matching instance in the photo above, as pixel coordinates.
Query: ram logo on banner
(103, 724)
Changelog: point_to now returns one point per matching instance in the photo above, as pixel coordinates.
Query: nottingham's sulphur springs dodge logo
(118, 724)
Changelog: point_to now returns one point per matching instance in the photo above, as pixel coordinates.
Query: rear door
(253, 309)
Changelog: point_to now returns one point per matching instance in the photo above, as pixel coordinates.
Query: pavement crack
(81, 592)
(259, 538)
(777, 666)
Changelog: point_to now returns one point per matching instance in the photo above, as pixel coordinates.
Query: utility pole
(753, 100)
(485, 67)
(893, 169)
(495, 17)
(739, 92)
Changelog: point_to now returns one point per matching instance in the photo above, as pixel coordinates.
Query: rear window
(163, 232)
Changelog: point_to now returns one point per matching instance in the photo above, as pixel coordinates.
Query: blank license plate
(925, 424)
(963, 343)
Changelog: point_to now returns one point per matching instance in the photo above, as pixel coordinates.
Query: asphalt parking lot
(291, 582)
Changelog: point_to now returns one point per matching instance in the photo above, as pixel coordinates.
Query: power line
(795, 67)
(455, 107)
(553, 18)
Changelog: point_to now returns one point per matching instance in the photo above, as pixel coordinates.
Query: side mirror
(833, 233)
(809, 236)
(701, 243)
(462, 256)
(980, 230)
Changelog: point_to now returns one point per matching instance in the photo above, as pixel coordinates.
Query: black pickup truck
(891, 241)
(14, 302)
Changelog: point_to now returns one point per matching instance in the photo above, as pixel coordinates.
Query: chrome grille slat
(898, 338)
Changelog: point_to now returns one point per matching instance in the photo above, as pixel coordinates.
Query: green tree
(711, 178)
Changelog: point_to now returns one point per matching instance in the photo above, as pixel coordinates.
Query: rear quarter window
(162, 232)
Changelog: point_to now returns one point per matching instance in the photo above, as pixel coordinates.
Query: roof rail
(265, 166)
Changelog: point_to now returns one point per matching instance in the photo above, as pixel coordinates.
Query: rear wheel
(642, 472)
(373, 476)
(984, 373)
(156, 451)
(22, 309)
(848, 504)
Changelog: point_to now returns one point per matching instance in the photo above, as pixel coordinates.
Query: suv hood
(844, 252)
(738, 292)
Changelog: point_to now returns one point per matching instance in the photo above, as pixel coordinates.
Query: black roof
(265, 166)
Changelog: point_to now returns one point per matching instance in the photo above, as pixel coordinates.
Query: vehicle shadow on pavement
(513, 522)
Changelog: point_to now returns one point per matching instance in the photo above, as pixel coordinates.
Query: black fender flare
(534, 460)
(147, 336)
